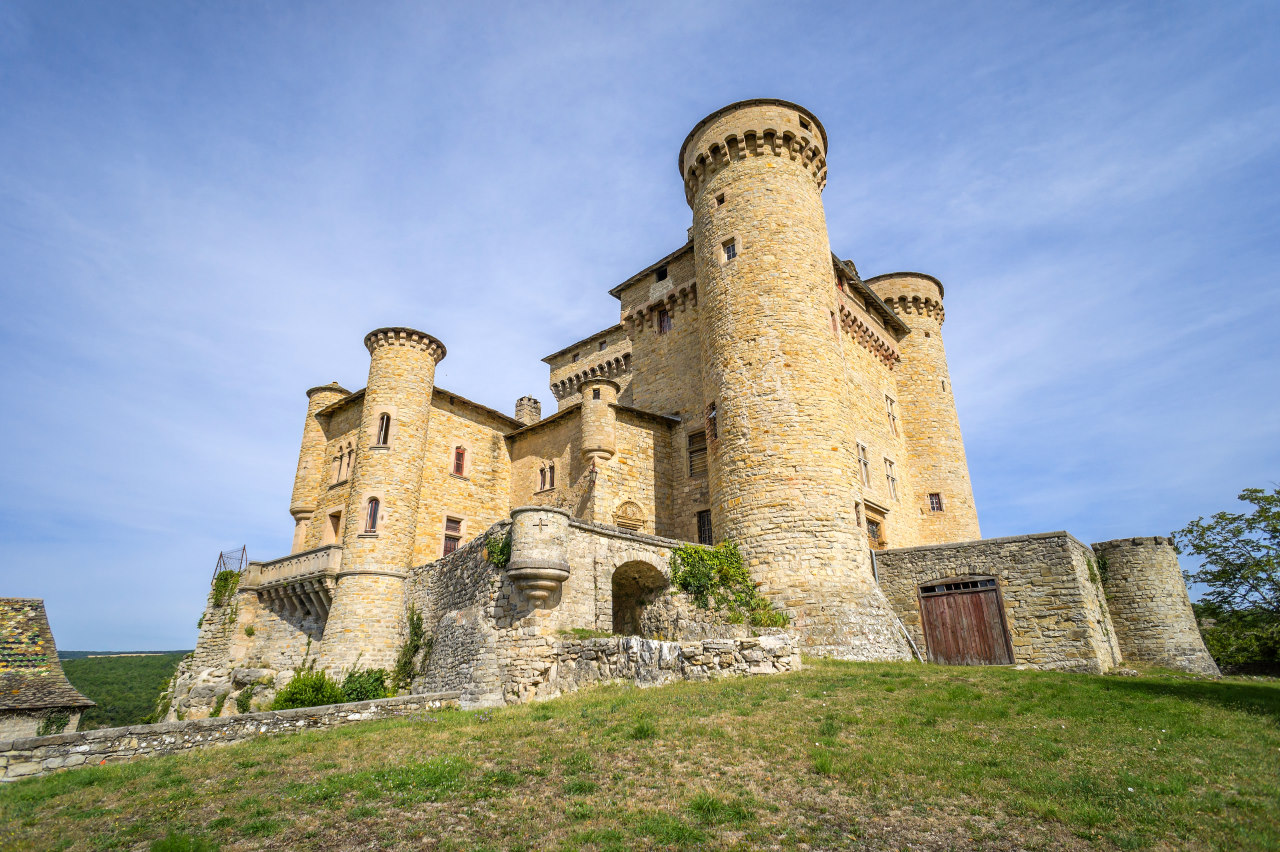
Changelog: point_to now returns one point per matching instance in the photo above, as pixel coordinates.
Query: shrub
(716, 578)
(244, 699)
(248, 630)
(365, 685)
(218, 705)
(402, 674)
(308, 688)
(498, 549)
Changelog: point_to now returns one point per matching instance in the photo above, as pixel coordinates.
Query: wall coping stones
(1136, 541)
(985, 541)
(619, 532)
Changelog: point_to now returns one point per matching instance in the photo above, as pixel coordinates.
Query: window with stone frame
(542, 479)
(660, 274)
(459, 461)
(704, 527)
(664, 321)
(384, 431)
(891, 479)
(551, 475)
(935, 501)
(698, 453)
(371, 515)
(452, 534)
(873, 532)
(890, 410)
(864, 464)
(730, 250)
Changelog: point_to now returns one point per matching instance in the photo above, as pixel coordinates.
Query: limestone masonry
(755, 388)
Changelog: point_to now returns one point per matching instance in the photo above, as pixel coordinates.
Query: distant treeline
(80, 655)
(125, 688)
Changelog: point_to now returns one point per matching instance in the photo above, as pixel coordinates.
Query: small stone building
(754, 388)
(35, 696)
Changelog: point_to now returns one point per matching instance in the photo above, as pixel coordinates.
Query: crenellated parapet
(612, 368)
(866, 335)
(680, 298)
(921, 306)
(764, 127)
(383, 337)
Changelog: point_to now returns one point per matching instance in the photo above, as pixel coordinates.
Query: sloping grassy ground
(840, 755)
(126, 688)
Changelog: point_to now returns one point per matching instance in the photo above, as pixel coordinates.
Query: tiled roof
(31, 677)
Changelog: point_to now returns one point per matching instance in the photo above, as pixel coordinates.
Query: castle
(756, 389)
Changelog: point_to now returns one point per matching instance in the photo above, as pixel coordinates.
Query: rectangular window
(935, 502)
(542, 483)
(857, 513)
(704, 527)
(698, 453)
(864, 464)
(890, 411)
(575, 356)
(664, 321)
(459, 461)
(595, 393)
(730, 250)
(551, 475)
(660, 274)
(720, 199)
(603, 344)
(891, 478)
(452, 534)
(873, 531)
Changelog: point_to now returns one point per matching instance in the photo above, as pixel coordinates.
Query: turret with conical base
(782, 489)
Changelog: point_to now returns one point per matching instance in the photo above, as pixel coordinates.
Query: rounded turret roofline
(404, 336)
(332, 386)
(925, 276)
(739, 105)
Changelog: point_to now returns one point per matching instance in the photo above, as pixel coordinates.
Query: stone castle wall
(1150, 608)
(1053, 602)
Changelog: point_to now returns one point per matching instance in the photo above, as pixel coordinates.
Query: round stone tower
(936, 461)
(1150, 609)
(783, 464)
(382, 509)
(599, 433)
(311, 461)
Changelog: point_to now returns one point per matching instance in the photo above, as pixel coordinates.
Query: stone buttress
(366, 618)
(935, 448)
(783, 487)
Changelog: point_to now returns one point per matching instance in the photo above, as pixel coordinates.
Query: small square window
(720, 199)
(804, 123)
(730, 250)
(595, 393)
(575, 356)
(660, 274)
(935, 502)
(603, 344)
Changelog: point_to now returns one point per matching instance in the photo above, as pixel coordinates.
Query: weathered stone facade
(755, 388)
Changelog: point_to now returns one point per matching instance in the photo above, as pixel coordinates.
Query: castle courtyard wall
(1052, 596)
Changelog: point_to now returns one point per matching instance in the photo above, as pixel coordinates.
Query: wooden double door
(964, 624)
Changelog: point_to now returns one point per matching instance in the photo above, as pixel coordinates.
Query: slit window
(452, 534)
(384, 430)
(891, 479)
(371, 516)
(864, 464)
(704, 527)
(935, 502)
(712, 432)
(698, 453)
(664, 321)
(459, 460)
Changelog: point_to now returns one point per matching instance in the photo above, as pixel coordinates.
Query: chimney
(528, 410)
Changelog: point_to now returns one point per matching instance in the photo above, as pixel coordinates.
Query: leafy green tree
(1241, 554)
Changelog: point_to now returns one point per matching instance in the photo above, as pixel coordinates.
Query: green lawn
(840, 755)
(125, 688)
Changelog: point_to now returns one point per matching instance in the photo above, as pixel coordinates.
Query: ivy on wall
(715, 578)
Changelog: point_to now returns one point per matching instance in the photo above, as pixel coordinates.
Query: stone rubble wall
(1053, 603)
(34, 756)
(1150, 609)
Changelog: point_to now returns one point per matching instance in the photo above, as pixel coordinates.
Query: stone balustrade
(298, 584)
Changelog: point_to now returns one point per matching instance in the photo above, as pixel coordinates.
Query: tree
(1241, 554)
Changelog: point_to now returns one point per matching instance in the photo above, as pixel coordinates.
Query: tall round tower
(311, 461)
(783, 466)
(936, 461)
(382, 509)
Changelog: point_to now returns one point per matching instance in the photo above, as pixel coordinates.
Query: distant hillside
(80, 655)
(124, 687)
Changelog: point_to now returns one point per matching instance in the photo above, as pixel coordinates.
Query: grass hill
(125, 687)
(840, 755)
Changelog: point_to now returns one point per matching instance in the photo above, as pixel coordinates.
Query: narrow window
(712, 432)
(337, 469)
(551, 475)
(720, 199)
(835, 329)
(603, 344)
(730, 250)
(698, 453)
(864, 464)
(384, 430)
(459, 460)
(944, 385)
(351, 461)
(857, 513)
(891, 478)
(660, 274)
(595, 393)
(452, 534)
(704, 527)
(333, 532)
(804, 124)
(542, 484)
(371, 516)
(664, 321)
(935, 502)
(892, 413)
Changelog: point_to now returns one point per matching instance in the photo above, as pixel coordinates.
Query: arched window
(371, 516)
(384, 430)
(459, 460)
(551, 475)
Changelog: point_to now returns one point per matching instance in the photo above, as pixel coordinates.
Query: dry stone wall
(1051, 593)
(34, 756)
(1149, 605)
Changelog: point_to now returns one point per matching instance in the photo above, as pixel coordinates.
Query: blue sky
(204, 207)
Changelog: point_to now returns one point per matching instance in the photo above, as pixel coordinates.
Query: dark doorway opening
(635, 585)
